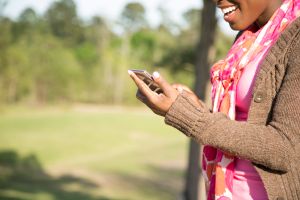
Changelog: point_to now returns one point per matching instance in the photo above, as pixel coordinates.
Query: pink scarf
(251, 47)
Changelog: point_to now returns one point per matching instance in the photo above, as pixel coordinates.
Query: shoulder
(295, 43)
(291, 36)
(287, 45)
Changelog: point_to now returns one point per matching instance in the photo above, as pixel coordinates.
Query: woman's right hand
(180, 88)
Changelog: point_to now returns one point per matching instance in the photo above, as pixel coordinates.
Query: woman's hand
(189, 93)
(158, 103)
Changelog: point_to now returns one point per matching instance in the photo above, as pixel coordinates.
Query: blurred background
(70, 125)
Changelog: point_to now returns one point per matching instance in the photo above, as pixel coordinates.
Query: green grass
(89, 153)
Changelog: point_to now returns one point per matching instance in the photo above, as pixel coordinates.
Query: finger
(140, 96)
(178, 87)
(181, 87)
(164, 85)
(143, 99)
(143, 88)
(187, 89)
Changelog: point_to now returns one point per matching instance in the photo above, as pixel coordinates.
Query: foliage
(58, 57)
(133, 17)
(41, 69)
(182, 56)
(64, 22)
(192, 18)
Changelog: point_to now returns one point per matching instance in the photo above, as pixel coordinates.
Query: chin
(237, 27)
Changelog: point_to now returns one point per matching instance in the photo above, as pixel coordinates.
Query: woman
(252, 134)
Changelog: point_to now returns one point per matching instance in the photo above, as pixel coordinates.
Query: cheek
(246, 18)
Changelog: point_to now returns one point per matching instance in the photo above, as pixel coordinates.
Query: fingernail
(130, 72)
(180, 89)
(156, 75)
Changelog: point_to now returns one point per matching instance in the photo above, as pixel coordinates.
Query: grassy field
(89, 153)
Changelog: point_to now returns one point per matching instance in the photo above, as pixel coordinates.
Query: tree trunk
(203, 63)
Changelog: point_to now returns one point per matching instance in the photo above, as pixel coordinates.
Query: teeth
(229, 9)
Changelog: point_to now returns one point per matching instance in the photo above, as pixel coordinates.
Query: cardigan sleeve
(271, 145)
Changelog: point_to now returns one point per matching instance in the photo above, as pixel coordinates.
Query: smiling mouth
(229, 10)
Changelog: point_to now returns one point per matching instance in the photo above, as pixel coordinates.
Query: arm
(270, 145)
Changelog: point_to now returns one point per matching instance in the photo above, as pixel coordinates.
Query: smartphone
(148, 79)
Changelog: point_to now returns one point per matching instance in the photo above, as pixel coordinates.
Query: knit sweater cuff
(187, 116)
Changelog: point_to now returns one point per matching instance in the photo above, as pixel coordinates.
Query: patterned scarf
(251, 47)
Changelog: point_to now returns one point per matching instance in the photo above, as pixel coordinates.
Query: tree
(133, 17)
(144, 45)
(98, 32)
(64, 21)
(5, 27)
(26, 24)
(3, 4)
(166, 22)
(181, 57)
(192, 18)
(203, 62)
(5, 41)
(97, 38)
(28, 16)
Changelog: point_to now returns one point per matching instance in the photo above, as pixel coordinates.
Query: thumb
(163, 84)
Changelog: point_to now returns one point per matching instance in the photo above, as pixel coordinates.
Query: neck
(267, 14)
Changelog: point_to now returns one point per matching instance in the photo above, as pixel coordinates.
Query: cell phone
(148, 79)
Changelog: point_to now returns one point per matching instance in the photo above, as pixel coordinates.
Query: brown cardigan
(271, 136)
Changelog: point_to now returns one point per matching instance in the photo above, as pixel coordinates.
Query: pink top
(247, 183)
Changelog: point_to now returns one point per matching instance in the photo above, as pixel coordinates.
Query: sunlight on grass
(90, 153)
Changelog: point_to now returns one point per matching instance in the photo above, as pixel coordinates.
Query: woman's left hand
(158, 103)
